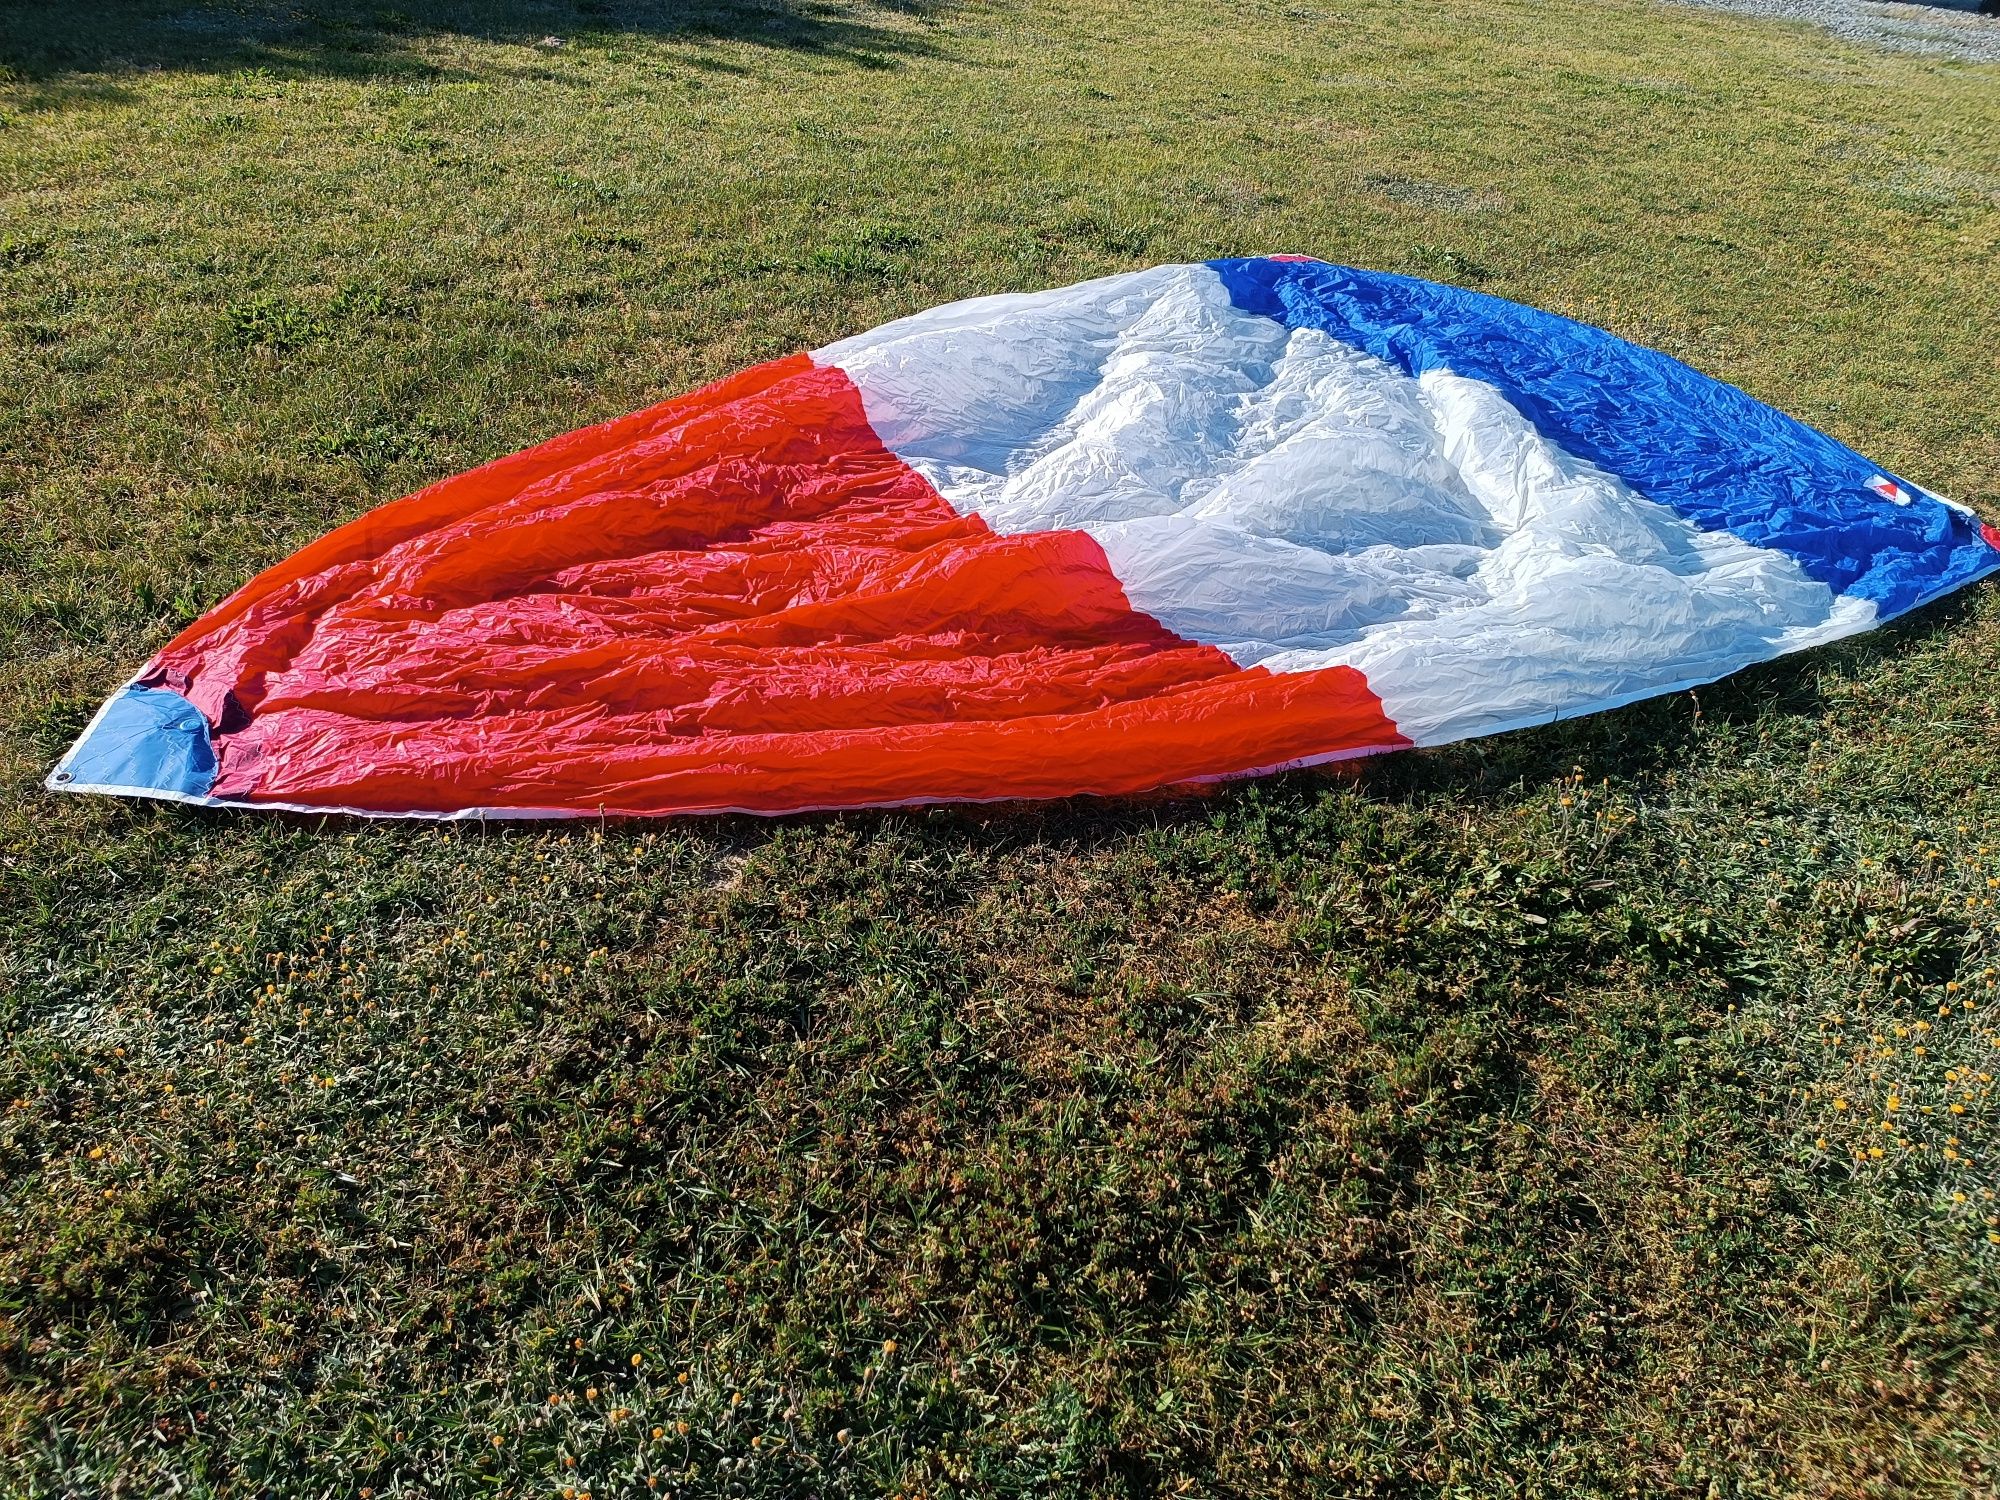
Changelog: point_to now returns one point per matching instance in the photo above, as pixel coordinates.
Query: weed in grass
(1441, 264)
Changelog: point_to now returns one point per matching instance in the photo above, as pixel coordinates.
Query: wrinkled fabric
(1167, 527)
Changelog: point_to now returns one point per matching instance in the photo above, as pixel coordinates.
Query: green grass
(1513, 1120)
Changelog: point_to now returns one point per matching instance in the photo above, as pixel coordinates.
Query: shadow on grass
(78, 52)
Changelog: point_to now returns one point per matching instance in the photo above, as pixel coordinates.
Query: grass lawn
(1601, 1110)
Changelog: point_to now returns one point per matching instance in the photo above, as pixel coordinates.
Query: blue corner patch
(146, 740)
(1719, 457)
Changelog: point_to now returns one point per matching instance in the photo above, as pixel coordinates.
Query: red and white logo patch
(1889, 490)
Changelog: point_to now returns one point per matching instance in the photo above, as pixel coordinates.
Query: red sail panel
(736, 599)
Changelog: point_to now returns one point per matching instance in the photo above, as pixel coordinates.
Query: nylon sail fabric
(1172, 526)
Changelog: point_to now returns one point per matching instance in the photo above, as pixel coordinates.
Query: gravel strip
(1949, 28)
